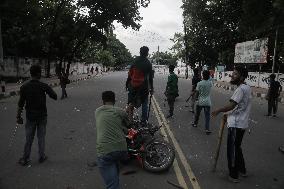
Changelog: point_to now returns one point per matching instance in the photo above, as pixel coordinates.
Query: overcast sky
(161, 19)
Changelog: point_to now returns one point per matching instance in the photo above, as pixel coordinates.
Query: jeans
(206, 114)
(109, 168)
(236, 162)
(144, 109)
(31, 127)
(272, 105)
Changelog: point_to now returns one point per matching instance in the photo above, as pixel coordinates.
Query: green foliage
(65, 30)
(213, 27)
(164, 58)
(105, 58)
(178, 48)
(120, 52)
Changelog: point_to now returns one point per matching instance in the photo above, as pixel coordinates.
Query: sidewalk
(13, 89)
(256, 92)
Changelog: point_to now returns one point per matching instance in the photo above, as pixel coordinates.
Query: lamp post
(275, 48)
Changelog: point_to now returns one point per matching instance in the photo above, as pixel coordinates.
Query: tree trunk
(62, 3)
(68, 68)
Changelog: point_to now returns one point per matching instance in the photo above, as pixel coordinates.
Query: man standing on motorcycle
(139, 83)
(111, 125)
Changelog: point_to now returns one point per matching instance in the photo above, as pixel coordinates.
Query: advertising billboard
(252, 51)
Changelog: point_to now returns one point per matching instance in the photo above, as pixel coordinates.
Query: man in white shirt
(237, 111)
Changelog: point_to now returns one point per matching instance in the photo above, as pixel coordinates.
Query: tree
(164, 58)
(105, 58)
(63, 30)
(178, 48)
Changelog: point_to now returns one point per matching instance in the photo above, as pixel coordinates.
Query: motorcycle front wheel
(158, 157)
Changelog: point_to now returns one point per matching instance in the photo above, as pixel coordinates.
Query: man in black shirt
(33, 97)
(272, 96)
(195, 79)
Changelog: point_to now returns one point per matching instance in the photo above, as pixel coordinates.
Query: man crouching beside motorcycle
(111, 125)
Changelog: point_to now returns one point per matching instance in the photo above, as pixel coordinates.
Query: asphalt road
(71, 136)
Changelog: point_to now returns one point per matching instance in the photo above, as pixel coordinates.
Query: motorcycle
(153, 155)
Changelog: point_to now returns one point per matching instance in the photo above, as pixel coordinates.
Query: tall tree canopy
(65, 29)
(213, 27)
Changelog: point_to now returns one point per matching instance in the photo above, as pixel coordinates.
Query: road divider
(177, 169)
(162, 121)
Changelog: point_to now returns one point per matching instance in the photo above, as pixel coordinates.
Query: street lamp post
(275, 48)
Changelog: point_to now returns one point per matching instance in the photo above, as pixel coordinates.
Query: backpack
(137, 77)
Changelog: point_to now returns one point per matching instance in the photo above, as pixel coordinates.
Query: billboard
(252, 51)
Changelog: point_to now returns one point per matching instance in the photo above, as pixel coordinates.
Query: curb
(254, 94)
(54, 84)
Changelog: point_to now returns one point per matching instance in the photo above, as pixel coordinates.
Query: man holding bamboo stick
(237, 110)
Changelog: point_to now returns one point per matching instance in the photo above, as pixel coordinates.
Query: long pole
(275, 48)
(158, 55)
(220, 136)
(1, 45)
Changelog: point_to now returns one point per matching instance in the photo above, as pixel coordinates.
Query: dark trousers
(236, 162)
(64, 93)
(31, 127)
(3, 89)
(171, 102)
(206, 114)
(272, 105)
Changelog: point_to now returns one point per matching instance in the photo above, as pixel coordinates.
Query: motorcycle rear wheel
(158, 157)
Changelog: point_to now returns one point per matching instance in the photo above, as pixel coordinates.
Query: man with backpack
(139, 83)
(272, 96)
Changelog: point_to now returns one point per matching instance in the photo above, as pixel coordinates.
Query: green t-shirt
(204, 90)
(172, 85)
(111, 125)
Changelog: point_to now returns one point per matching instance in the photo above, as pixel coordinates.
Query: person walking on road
(139, 83)
(202, 93)
(195, 79)
(171, 90)
(238, 111)
(111, 126)
(33, 97)
(97, 70)
(63, 82)
(273, 94)
(92, 70)
(3, 85)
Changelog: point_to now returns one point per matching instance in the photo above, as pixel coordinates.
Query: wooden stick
(220, 136)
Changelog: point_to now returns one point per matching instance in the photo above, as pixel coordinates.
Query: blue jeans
(206, 114)
(109, 168)
(31, 127)
(144, 109)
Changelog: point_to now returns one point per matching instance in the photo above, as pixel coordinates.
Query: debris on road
(175, 185)
(92, 164)
(129, 172)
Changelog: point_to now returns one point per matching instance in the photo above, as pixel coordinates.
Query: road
(71, 136)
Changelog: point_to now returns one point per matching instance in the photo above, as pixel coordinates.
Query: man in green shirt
(171, 90)
(111, 125)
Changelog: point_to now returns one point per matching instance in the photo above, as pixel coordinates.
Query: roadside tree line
(68, 30)
(213, 27)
